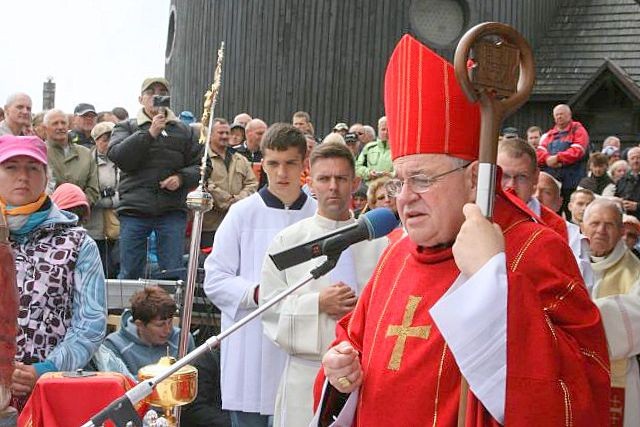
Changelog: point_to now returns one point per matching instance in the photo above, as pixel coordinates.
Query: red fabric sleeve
(557, 359)
(579, 146)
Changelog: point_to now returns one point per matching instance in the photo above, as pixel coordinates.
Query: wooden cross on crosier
(494, 66)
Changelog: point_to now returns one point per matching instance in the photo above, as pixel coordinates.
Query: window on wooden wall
(438, 23)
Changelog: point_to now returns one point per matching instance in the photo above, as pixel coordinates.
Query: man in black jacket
(628, 188)
(159, 159)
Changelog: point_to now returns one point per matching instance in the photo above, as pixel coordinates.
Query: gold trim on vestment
(435, 404)
(386, 304)
(512, 226)
(551, 327)
(516, 261)
(570, 287)
(568, 412)
(592, 354)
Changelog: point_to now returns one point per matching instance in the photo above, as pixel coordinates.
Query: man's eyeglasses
(419, 183)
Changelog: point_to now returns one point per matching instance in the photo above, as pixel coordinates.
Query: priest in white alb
(303, 324)
(617, 295)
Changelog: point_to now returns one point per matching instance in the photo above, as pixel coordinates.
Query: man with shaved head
(617, 295)
(628, 188)
(254, 131)
(564, 151)
(17, 111)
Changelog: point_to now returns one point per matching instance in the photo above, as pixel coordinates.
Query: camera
(161, 101)
(108, 192)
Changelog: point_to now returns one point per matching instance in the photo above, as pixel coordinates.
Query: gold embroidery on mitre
(404, 331)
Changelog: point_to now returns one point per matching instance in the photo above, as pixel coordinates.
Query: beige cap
(100, 129)
(151, 80)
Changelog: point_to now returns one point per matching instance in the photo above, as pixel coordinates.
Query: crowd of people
(394, 332)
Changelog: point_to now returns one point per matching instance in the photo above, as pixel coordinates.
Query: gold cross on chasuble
(405, 330)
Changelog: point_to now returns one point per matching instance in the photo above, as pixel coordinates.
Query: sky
(95, 51)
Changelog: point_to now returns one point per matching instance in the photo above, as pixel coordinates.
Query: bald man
(250, 149)
(563, 152)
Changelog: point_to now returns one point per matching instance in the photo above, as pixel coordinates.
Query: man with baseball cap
(341, 128)
(501, 304)
(159, 159)
(85, 118)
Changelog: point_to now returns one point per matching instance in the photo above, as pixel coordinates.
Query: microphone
(372, 225)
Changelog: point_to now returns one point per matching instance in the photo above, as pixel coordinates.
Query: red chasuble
(557, 362)
(554, 221)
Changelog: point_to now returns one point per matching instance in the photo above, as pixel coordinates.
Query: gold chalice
(179, 389)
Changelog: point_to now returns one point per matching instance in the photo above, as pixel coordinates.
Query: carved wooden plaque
(496, 67)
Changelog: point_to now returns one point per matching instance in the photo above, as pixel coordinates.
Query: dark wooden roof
(582, 36)
(627, 85)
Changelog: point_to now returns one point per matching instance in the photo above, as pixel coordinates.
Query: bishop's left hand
(478, 241)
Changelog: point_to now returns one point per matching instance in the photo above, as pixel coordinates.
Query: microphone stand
(121, 410)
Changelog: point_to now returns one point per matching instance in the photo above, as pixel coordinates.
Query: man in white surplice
(617, 295)
(304, 323)
(251, 365)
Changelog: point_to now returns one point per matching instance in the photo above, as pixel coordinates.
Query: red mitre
(427, 112)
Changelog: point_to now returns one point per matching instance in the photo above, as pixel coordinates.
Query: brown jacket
(227, 186)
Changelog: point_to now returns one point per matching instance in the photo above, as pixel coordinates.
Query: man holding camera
(159, 158)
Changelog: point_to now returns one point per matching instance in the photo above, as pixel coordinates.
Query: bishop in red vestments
(501, 304)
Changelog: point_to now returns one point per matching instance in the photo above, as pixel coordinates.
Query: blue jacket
(126, 344)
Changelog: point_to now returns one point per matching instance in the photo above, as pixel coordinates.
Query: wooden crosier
(500, 77)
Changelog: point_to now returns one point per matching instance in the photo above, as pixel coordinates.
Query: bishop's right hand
(342, 367)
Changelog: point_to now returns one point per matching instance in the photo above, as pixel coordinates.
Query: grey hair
(381, 120)
(368, 129)
(13, 97)
(604, 203)
(50, 113)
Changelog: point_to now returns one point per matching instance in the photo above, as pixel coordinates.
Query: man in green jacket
(374, 160)
(68, 162)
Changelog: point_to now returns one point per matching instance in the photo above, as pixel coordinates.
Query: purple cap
(31, 146)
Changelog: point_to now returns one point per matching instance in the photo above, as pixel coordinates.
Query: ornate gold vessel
(177, 390)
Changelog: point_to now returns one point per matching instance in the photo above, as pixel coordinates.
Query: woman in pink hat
(62, 314)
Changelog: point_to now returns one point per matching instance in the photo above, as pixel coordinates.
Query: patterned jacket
(63, 312)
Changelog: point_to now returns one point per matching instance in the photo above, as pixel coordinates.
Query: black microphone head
(380, 222)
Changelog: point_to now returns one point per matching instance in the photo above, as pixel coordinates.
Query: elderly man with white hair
(17, 112)
(617, 295)
(564, 151)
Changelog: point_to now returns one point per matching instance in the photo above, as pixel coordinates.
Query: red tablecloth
(59, 401)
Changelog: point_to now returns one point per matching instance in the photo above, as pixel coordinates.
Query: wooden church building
(328, 57)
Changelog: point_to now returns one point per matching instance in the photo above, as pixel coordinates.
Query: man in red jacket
(563, 152)
(501, 304)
